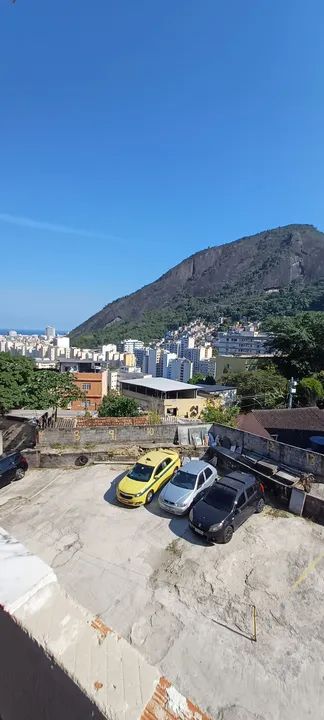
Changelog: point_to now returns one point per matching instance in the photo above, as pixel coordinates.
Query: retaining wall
(304, 460)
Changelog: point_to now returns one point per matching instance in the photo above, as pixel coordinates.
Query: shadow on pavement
(178, 524)
(110, 494)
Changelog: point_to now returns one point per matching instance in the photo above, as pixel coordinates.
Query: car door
(7, 470)
(200, 485)
(252, 498)
(241, 510)
(209, 475)
(161, 474)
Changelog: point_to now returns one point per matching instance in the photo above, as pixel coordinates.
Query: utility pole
(292, 391)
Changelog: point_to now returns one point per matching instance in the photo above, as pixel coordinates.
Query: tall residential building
(129, 359)
(50, 332)
(163, 363)
(242, 342)
(187, 342)
(107, 349)
(195, 355)
(173, 346)
(207, 367)
(150, 362)
(180, 369)
(131, 345)
(61, 342)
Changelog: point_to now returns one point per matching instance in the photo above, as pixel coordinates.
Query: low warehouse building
(167, 397)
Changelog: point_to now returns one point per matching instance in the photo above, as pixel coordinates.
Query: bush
(115, 405)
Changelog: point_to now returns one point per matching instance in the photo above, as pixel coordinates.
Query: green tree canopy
(310, 391)
(23, 386)
(257, 388)
(16, 374)
(115, 405)
(298, 343)
(214, 414)
(49, 388)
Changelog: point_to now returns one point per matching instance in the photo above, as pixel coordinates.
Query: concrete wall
(59, 662)
(109, 435)
(32, 684)
(306, 461)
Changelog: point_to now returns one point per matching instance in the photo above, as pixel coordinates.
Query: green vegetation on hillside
(233, 303)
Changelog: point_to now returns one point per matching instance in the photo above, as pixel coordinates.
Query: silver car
(186, 485)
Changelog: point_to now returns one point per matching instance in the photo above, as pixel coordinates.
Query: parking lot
(186, 606)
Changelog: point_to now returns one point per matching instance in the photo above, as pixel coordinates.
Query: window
(141, 472)
(208, 473)
(241, 500)
(249, 492)
(86, 386)
(201, 480)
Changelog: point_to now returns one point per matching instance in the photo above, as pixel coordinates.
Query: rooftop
(161, 384)
(307, 418)
(186, 607)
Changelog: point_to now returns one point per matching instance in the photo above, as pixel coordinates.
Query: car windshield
(184, 480)
(141, 472)
(221, 498)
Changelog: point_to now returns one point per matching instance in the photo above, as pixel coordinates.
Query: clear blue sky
(155, 127)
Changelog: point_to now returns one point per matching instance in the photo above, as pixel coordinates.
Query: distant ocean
(5, 331)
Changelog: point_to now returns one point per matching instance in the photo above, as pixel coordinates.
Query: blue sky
(135, 133)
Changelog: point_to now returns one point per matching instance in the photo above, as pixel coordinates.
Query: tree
(210, 380)
(49, 388)
(310, 391)
(197, 378)
(257, 388)
(16, 374)
(23, 386)
(213, 413)
(115, 405)
(298, 343)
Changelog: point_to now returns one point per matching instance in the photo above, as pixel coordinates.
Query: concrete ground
(185, 605)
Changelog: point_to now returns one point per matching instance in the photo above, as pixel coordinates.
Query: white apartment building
(61, 342)
(131, 345)
(242, 342)
(163, 361)
(180, 369)
(107, 350)
(50, 332)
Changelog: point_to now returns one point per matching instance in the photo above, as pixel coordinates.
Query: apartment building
(242, 342)
(94, 386)
(180, 369)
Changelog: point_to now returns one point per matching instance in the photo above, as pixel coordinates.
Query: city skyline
(153, 133)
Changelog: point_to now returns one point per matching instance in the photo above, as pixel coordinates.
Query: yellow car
(147, 476)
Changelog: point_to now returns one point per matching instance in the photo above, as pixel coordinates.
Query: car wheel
(260, 505)
(228, 534)
(19, 474)
(149, 497)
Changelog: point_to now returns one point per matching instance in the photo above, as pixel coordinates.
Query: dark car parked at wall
(12, 467)
(226, 506)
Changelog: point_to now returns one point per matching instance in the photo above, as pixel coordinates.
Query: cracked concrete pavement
(186, 606)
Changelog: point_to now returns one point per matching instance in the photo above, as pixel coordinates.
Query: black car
(226, 506)
(12, 467)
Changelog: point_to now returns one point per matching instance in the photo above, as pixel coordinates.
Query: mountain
(285, 260)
